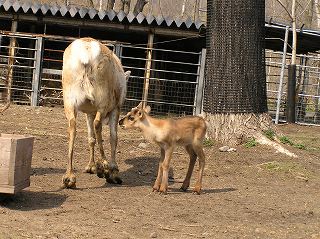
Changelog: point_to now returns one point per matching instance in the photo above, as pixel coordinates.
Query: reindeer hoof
(99, 170)
(112, 177)
(69, 181)
(115, 180)
(92, 169)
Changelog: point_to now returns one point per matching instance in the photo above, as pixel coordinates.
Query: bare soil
(251, 193)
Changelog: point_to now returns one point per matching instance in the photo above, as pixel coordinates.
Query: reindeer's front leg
(157, 183)
(165, 169)
(112, 176)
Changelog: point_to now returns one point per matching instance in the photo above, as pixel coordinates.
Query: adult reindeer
(94, 82)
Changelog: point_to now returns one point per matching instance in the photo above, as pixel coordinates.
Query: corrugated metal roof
(91, 13)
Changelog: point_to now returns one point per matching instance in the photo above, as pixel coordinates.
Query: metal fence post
(198, 100)
(283, 65)
(37, 72)
(118, 50)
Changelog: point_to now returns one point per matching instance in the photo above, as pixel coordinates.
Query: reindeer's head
(132, 118)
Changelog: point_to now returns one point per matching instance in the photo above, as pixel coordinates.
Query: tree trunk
(235, 99)
(139, 6)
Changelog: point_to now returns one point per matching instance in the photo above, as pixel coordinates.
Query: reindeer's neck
(150, 128)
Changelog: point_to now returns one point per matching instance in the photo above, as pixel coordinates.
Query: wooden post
(148, 68)
(11, 60)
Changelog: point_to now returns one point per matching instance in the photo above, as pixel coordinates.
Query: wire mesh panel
(51, 85)
(273, 73)
(308, 90)
(308, 87)
(172, 82)
(17, 65)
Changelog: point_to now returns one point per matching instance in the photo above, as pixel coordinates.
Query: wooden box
(15, 162)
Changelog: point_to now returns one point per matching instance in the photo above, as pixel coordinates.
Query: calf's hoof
(163, 190)
(69, 181)
(155, 188)
(197, 190)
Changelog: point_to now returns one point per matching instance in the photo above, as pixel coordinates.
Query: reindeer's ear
(139, 105)
(147, 109)
(127, 74)
(140, 113)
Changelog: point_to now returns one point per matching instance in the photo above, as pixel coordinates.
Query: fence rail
(175, 83)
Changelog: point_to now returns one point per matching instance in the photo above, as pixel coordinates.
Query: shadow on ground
(43, 171)
(28, 200)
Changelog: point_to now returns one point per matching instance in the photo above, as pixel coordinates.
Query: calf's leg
(165, 169)
(157, 183)
(199, 151)
(193, 158)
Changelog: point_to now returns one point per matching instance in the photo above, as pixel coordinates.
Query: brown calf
(167, 133)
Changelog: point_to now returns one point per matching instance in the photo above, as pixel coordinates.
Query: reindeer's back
(91, 74)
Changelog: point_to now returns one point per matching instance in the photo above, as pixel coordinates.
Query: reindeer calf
(167, 133)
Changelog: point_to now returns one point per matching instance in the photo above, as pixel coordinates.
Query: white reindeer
(94, 82)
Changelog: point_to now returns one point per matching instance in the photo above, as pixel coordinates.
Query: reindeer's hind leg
(193, 158)
(100, 164)
(69, 179)
(91, 167)
(199, 151)
(112, 176)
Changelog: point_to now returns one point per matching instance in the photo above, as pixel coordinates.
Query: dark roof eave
(14, 6)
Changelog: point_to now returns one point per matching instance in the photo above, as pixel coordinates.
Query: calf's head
(134, 117)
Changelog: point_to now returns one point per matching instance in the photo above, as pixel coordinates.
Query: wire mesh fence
(173, 85)
(172, 82)
(308, 87)
(17, 64)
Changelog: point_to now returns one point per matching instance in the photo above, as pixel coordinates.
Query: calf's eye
(131, 118)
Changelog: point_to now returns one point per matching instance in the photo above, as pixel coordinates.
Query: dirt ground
(251, 193)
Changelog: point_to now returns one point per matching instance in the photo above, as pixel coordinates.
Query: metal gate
(20, 60)
(308, 87)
